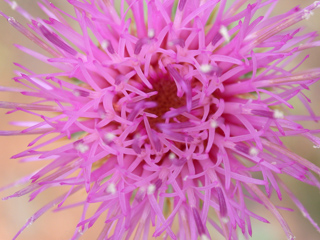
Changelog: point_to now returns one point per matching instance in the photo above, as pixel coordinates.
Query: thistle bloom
(169, 107)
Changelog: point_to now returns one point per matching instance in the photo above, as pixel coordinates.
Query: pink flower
(169, 107)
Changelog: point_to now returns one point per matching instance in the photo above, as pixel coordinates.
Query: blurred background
(55, 226)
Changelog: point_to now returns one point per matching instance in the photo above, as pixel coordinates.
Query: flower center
(166, 99)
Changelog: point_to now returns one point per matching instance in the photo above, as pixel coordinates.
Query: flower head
(169, 107)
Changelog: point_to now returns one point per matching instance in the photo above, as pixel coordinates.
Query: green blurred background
(60, 225)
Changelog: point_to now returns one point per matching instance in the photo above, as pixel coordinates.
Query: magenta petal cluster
(169, 107)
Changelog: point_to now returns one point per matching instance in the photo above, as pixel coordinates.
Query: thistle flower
(169, 107)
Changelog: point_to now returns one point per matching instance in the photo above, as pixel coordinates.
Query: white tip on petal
(291, 237)
(278, 114)
(225, 220)
(76, 93)
(307, 14)
(150, 33)
(81, 147)
(104, 44)
(172, 156)
(205, 68)
(225, 34)
(316, 4)
(316, 146)
(14, 5)
(253, 151)
(204, 237)
(11, 19)
(170, 43)
(109, 136)
(213, 124)
(151, 189)
(111, 188)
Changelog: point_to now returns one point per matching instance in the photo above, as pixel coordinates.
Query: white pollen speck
(225, 220)
(109, 136)
(225, 34)
(316, 146)
(307, 14)
(291, 237)
(11, 19)
(253, 151)
(111, 188)
(81, 147)
(278, 114)
(204, 237)
(274, 163)
(14, 5)
(104, 44)
(30, 220)
(76, 93)
(185, 178)
(151, 188)
(213, 124)
(172, 156)
(170, 44)
(150, 33)
(205, 68)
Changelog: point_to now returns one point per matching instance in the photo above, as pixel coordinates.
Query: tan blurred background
(56, 226)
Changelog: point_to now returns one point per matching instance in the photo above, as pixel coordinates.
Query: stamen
(14, 5)
(111, 188)
(185, 87)
(253, 152)
(225, 34)
(181, 4)
(213, 124)
(179, 162)
(199, 224)
(262, 113)
(278, 114)
(204, 237)
(155, 140)
(181, 42)
(80, 146)
(151, 189)
(139, 45)
(307, 14)
(106, 45)
(242, 148)
(172, 156)
(158, 184)
(55, 40)
(151, 33)
(31, 36)
(109, 136)
(222, 205)
(206, 68)
(216, 39)
(135, 146)
(81, 93)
